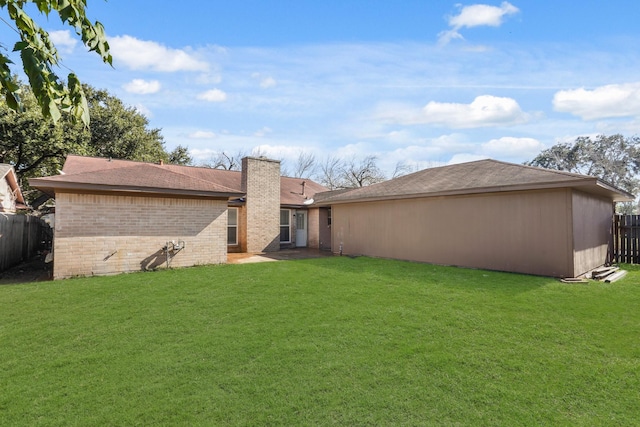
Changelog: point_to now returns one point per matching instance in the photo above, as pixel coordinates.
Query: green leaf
(39, 55)
(78, 100)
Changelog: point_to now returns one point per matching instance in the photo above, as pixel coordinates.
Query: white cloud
(144, 111)
(360, 149)
(201, 155)
(511, 147)
(482, 14)
(475, 16)
(148, 55)
(399, 136)
(142, 87)
(268, 82)
(286, 152)
(445, 37)
(417, 157)
(606, 101)
(485, 110)
(464, 158)
(265, 82)
(213, 95)
(209, 78)
(202, 134)
(263, 132)
(63, 40)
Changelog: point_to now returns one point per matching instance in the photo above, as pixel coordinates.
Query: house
(116, 216)
(485, 214)
(20, 235)
(11, 198)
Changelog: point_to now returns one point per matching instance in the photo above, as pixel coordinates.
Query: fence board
(626, 239)
(634, 241)
(20, 237)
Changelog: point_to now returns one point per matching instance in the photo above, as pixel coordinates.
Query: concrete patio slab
(282, 255)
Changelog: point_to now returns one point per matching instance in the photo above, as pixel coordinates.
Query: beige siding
(324, 230)
(526, 232)
(104, 234)
(592, 218)
(319, 230)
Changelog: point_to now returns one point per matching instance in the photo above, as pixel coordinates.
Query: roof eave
(49, 187)
(616, 194)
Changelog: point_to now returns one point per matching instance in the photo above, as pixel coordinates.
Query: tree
(36, 147)
(39, 55)
(614, 159)
(121, 131)
(180, 156)
(225, 161)
(305, 166)
(330, 174)
(402, 168)
(363, 172)
(336, 173)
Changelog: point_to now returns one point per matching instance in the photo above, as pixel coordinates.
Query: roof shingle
(475, 177)
(113, 174)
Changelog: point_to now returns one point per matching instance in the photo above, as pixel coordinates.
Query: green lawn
(330, 341)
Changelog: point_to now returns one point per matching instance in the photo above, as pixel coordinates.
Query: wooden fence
(625, 247)
(20, 237)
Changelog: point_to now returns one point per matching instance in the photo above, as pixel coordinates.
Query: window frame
(229, 225)
(287, 225)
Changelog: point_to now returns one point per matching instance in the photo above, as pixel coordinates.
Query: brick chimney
(261, 183)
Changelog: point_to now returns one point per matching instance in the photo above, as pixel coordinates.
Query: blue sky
(420, 82)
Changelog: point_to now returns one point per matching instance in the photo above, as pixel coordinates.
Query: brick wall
(105, 234)
(261, 182)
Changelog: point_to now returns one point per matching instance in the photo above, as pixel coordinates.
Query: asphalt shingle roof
(113, 174)
(473, 177)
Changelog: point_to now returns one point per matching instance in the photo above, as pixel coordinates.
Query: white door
(301, 228)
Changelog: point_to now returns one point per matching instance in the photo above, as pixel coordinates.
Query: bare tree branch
(305, 166)
(362, 173)
(402, 168)
(222, 160)
(331, 173)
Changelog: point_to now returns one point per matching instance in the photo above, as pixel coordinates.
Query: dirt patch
(34, 270)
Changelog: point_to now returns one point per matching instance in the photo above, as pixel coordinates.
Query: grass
(331, 341)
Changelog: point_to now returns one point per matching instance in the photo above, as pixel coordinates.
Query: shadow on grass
(33, 270)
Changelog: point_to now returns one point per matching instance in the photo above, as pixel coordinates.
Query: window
(300, 225)
(285, 226)
(232, 226)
